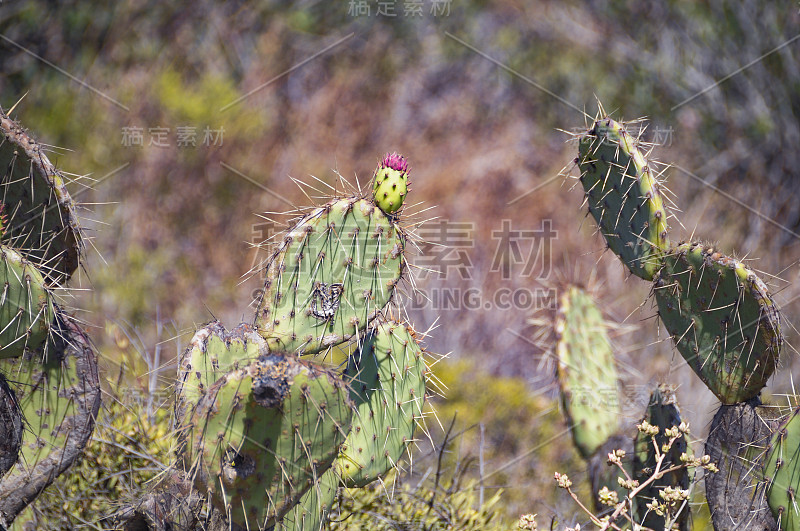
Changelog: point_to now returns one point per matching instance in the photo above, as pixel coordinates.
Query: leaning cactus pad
(334, 272)
(26, 305)
(311, 512)
(587, 374)
(663, 414)
(390, 183)
(783, 473)
(722, 319)
(624, 197)
(263, 434)
(58, 389)
(387, 377)
(41, 220)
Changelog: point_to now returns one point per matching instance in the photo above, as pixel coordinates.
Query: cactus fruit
(722, 318)
(623, 196)
(587, 374)
(335, 270)
(390, 183)
(41, 223)
(783, 473)
(26, 305)
(387, 378)
(737, 441)
(58, 390)
(263, 434)
(662, 413)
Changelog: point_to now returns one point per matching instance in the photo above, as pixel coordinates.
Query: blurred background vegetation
(474, 93)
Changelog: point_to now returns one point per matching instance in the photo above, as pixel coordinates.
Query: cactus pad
(26, 306)
(783, 473)
(212, 353)
(390, 183)
(722, 319)
(311, 512)
(387, 377)
(587, 374)
(58, 389)
(335, 270)
(41, 222)
(263, 434)
(662, 413)
(623, 196)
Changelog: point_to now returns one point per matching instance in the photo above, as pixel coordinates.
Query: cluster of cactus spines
(587, 374)
(337, 267)
(652, 438)
(783, 472)
(722, 318)
(737, 441)
(267, 436)
(624, 197)
(390, 186)
(45, 356)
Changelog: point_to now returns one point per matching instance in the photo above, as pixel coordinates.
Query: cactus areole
(390, 184)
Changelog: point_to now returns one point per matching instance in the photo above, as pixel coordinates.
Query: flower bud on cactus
(390, 183)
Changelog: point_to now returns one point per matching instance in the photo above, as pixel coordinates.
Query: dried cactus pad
(623, 196)
(783, 473)
(722, 319)
(387, 376)
(263, 434)
(334, 272)
(41, 222)
(587, 372)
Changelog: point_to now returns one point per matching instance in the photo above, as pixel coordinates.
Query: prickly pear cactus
(58, 390)
(587, 374)
(311, 512)
(662, 413)
(722, 319)
(387, 378)
(41, 223)
(263, 434)
(623, 196)
(335, 270)
(26, 305)
(783, 473)
(390, 183)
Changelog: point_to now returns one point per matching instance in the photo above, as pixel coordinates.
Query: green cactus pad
(40, 218)
(387, 376)
(311, 512)
(336, 269)
(58, 389)
(662, 412)
(212, 353)
(587, 374)
(783, 473)
(623, 197)
(26, 306)
(263, 434)
(722, 319)
(390, 183)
